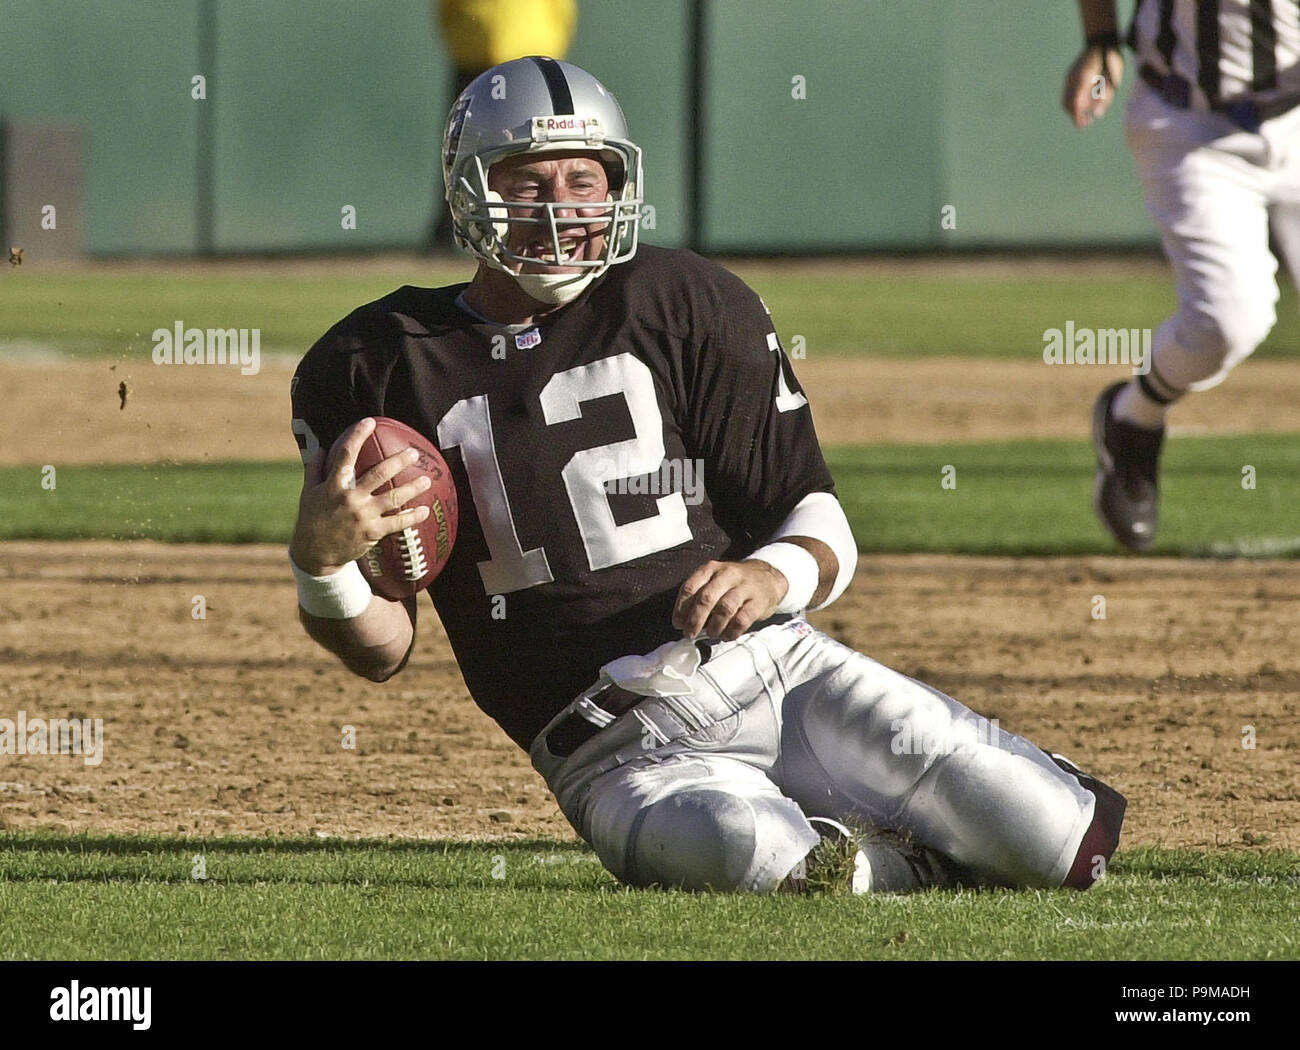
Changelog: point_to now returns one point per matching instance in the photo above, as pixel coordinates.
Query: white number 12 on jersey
(468, 424)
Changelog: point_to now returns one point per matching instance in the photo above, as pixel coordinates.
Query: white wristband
(819, 516)
(799, 569)
(341, 596)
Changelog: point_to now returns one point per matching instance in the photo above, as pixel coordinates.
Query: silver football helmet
(539, 105)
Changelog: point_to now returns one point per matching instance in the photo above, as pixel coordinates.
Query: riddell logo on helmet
(566, 123)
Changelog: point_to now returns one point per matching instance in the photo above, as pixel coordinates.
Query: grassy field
(1026, 497)
(113, 313)
(138, 898)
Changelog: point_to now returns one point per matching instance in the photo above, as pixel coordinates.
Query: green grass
(1035, 497)
(135, 898)
(1024, 497)
(178, 502)
(114, 312)
(972, 316)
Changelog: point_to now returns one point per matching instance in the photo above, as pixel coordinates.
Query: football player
(643, 637)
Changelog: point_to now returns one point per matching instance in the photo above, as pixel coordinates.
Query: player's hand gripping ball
(405, 563)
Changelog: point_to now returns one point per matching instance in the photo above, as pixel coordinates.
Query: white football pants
(714, 789)
(1212, 188)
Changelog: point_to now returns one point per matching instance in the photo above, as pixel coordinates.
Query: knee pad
(1205, 346)
(1003, 811)
(713, 839)
(910, 758)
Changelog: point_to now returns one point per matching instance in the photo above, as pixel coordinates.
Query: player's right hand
(1091, 83)
(339, 515)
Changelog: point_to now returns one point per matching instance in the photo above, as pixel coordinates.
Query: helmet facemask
(482, 219)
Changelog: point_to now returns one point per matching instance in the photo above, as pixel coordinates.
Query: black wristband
(1107, 38)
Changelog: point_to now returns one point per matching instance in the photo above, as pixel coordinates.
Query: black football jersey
(600, 456)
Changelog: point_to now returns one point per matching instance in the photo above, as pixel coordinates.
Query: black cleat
(1126, 496)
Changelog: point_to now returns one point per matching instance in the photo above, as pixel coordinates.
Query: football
(405, 563)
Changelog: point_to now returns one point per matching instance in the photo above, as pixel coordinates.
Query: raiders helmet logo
(455, 124)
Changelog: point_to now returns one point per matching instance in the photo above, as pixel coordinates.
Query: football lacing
(414, 563)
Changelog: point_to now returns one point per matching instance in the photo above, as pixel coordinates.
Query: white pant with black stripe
(1214, 189)
(714, 789)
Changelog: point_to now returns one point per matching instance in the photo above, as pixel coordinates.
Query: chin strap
(553, 288)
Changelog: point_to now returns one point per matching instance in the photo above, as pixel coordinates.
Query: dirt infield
(233, 724)
(67, 411)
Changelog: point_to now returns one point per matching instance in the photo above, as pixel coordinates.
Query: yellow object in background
(483, 33)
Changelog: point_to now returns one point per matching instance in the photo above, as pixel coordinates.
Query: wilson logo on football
(442, 540)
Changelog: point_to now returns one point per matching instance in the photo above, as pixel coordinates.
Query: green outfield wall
(827, 125)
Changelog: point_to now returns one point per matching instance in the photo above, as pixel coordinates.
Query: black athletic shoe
(1126, 496)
